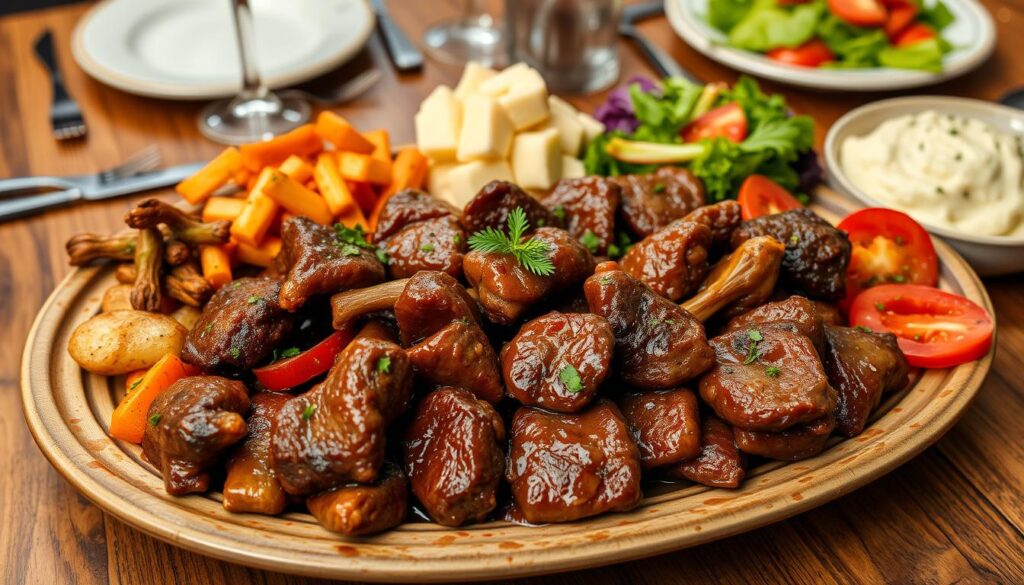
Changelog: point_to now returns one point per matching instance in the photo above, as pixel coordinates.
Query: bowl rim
(839, 180)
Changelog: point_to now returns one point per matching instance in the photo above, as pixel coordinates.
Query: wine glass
(256, 113)
(474, 37)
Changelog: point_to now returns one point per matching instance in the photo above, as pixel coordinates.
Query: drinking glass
(572, 43)
(256, 113)
(474, 37)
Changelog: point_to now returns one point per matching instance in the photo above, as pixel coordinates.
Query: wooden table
(955, 513)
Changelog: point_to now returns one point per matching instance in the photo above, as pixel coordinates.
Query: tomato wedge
(760, 195)
(915, 33)
(900, 17)
(934, 328)
(888, 247)
(859, 12)
(810, 54)
(293, 371)
(727, 121)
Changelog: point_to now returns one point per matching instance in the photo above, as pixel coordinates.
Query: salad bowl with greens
(847, 45)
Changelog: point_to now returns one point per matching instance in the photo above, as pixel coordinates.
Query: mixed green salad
(722, 134)
(904, 34)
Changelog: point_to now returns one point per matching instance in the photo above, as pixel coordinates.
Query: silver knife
(85, 187)
(404, 54)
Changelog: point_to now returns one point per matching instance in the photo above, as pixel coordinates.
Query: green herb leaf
(235, 352)
(254, 299)
(753, 353)
(591, 241)
(384, 365)
(427, 248)
(134, 385)
(349, 250)
(154, 419)
(290, 352)
(353, 236)
(531, 254)
(772, 371)
(382, 256)
(559, 212)
(570, 378)
(309, 411)
(863, 329)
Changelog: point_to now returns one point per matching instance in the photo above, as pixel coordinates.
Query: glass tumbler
(572, 43)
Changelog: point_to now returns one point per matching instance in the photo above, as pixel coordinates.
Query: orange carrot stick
(364, 168)
(381, 145)
(410, 172)
(302, 141)
(331, 186)
(216, 263)
(262, 255)
(297, 168)
(129, 420)
(258, 214)
(336, 130)
(364, 195)
(297, 199)
(354, 217)
(219, 208)
(213, 176)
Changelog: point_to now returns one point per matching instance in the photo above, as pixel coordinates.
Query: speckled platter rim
(67, 411)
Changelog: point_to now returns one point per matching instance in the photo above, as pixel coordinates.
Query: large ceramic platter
(187, 49)
(973, 35)
(68, 409)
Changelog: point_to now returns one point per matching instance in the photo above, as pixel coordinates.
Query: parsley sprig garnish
(351, 239)
(531, 254)
(753, 353)
(571, 379)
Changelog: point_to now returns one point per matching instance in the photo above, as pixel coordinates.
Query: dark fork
(65, 115)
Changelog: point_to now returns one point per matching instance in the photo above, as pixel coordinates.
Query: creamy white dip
(946, 170)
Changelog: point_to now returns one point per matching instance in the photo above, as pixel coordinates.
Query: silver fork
(65, 115)
(142, 161)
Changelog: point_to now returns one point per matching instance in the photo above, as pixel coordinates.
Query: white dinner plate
(972, 34)
(187, 49)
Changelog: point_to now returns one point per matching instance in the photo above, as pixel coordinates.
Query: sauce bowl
(989, 255)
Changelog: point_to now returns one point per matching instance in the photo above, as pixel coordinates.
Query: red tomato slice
(900, 17)
(934, 328)
(810, 54)
(760, 195)
(727, 121)
(293, 371)
(888, 247)
(915, 33)
(859, 12)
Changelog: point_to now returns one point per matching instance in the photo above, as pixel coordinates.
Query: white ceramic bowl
(989, 255)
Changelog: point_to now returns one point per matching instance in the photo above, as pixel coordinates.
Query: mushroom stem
(183, 283)
(185, 227)
(176, 252)
(346, 306)
(741, 281)
(84, 248)
(146, 294)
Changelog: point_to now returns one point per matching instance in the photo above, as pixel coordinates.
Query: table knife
(404, 54)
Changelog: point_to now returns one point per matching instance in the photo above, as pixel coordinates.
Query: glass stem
(252, 83)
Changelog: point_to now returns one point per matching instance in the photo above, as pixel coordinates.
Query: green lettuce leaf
(724, 14)
(923, 55)
(768, 26)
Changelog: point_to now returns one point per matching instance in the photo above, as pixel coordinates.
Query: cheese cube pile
(500, 126)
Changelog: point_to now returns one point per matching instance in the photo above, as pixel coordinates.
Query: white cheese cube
(592, 128)
(500, 83)
(526, 103)
(472, 76)
(465, 180)
(437, 125)
(486, 130)
(570, 129)
(572, 167)
(437, 178)
(537, 159)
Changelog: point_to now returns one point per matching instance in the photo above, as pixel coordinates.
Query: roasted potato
(187, 315)
(119, 342)
(117, 298)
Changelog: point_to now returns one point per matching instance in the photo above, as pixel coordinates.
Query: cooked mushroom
(741, 281)
(84, 248)
(185, 227)
(146, 293)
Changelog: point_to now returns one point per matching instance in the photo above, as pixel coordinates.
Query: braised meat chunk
(672, 261)
(795, 443)
(861, 366)
(356, 509)
(720, 463)
(334, 434)
(192, 425)
(665, 425)
(460, 355)
(432, 244)
(319, 262)
(558, 361)
(564, 467)
(740, 281)
(766, 379)
(453, 456)
(430, 301)
(652, 201)
(408, 207)
(797, 313)
(588, 205)
(721, 218)
(506, 289)
(493, 204)
(251, 485)
(658, 344)
(239, 327)
(817, 254)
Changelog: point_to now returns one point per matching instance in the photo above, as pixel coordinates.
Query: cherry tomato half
(888, 247)
(727, 121)
(900, 17)
(810, 54)
(760, 195)
(915, 33)
(859, 12)
(293, 371)
(934, 328)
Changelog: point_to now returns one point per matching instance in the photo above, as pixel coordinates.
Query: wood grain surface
(953, 514)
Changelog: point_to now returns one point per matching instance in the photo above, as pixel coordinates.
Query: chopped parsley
(863, 329)
(255, 299)
(570, 378)
(309, 411)
(287, 353)
(384, 365)
(427, 247)
(456, 239)
(208, 328)
(753, 353)
(591, 241)
(880, 306)
(382, 256)
(154, 419)
(659, 187)
(606, 280)
(559, 212)
(794, 239)
(349, 250)
(531, 254)
(235, 352)
(134, 385)
(772, 371)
